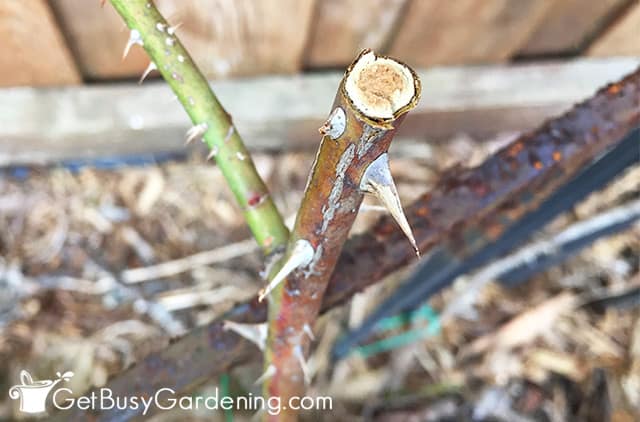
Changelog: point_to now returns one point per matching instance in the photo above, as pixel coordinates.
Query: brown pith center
(378, 83)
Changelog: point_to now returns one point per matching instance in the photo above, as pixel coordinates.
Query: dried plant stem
(373, 98)
(210, 120)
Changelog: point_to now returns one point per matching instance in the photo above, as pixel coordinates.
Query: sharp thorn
(212, 153)
(196, 132)
(308, 332)
(172, 29)
(268, 373)
(152, 66)
(300, 256)
(299, 354)
(134, 38)
(255, 333)
(371, 208)
(378, 181)
(229, 133)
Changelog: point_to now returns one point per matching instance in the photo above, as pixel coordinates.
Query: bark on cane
(372, 100)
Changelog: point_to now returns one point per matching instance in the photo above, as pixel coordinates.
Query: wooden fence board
(623, 38)
(342, 28)
(225, 37)
(568, 25)
(466, 31)
(97, 35)
(33, 51)
(49, 125)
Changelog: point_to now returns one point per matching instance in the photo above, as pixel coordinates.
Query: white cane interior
(379, 86)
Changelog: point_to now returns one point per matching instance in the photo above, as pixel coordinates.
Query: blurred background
(116, 238)
(78, 42)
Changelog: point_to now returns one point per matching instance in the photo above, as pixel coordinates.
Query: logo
(33, 394)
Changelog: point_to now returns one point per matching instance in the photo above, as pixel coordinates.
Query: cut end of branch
(380, 87)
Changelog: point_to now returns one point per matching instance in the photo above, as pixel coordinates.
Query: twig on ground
(180, 265)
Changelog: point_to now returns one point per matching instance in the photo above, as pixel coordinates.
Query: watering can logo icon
(33, 394)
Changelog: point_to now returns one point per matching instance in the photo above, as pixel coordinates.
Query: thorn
(378, 181)
(297, 351)
(300, 256)
(255, 333)
(229, 133)
(152, 66)
(172, 29)
(213, 152)
(134, 38)
(196, 132)
(372, 208)
(307, 330)
(268, 373)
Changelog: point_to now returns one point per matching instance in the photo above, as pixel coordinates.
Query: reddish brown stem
(360, 128)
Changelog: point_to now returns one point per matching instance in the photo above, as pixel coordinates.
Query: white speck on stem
(240, 156)
(160, 26)
(180, 58)
(169, 41)
(177, 77)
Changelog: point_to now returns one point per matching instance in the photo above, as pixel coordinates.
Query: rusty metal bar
(494, 236)
(534, 166)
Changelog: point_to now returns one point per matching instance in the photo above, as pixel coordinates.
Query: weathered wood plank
(623, 38)
(342, 28)
(466, 31)
(33, 51)
(97, 36)
(225, 37)
(568, 24)
(49, 125)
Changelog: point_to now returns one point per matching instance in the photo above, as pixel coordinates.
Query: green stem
(193, 91)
